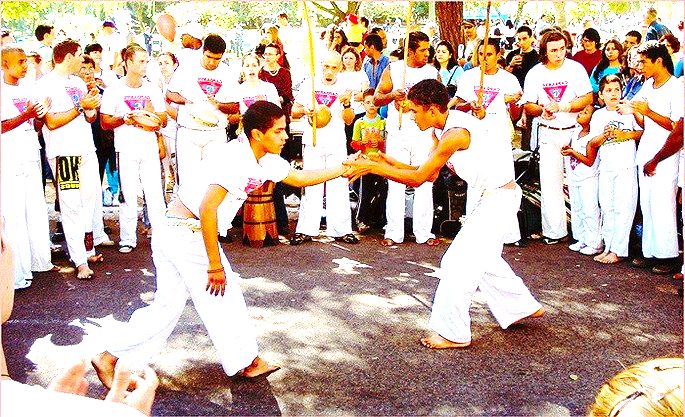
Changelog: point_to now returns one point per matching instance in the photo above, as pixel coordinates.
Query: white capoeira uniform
(246, 94)
(561, 85)
(71, 153)
(658, 192)
(194, 141)
(617, 180)
(137, 154)
(181, 262)
(330, 151)
(497, 124)
(169, 134)
(474, 259)
(21, 189)
(411, 146)
(583, 190)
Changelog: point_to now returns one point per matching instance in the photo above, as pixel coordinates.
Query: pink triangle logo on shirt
(136, 103)
(555, 91)
(325, 97)
(489, 95)
(574, 163)
(250, 100)
(253, 184)
(209, 86)
(75, 94)
(21, 104)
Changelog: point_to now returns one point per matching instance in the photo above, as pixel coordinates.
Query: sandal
(387, 242)
(348, 238)
(300, 238)
(433, 242)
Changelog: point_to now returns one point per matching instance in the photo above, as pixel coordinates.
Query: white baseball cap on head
(193, 29)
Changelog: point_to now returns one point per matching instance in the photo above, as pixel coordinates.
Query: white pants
(474, 260)
(411, 148)
(618, 201)
(338, 213)
(26, 219)
(553, 207)
(512, 230)
(77, 206)
(136, 170)
(658, 204)
(192, 146)
(181, 269)
(585, 216)
(169, 160)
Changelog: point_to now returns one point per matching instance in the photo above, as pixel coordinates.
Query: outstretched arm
(305, 178)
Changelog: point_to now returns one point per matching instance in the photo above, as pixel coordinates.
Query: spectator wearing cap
(590, 55)
(655, 30)
(465, 52)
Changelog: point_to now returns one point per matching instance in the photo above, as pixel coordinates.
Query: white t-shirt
(21, 143)
(246, 95)
(562, 85)
(194, 83)
(111, 45)
(234, 167)
(495, 87)
(614, 155)
(357, 82)
(413, 76)
(76, 137)
(332, 136)
(577, 171)
(478, 165)
(171, 126)
(666, 100)
(121, 99)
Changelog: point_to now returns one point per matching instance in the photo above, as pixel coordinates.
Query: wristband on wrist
(211, 271)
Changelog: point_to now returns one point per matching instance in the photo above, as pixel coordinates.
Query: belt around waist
(192, 224)
(556, 128)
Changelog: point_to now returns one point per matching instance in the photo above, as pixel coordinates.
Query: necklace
(273, 73)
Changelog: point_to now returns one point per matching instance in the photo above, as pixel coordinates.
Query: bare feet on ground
(104, 364)
(601, 256)
(258, 367)
(611, 258)
(435, 341)
(96, 258)
(84, 272)
(539, 313)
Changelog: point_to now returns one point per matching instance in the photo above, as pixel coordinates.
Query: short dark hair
(261, 115)
(593, 35)
(637, 35)
(493, 42)
(88, 61)
(608, 79)
(62, 49)
(452, 61)
(415, 38)
(551, 36)
(42, 30)
(375, 41)
(214, 44)
(130, 51)
(672, 41)
(525, 29)
(368, 92)
(654, 50)
(364, 21)
(93, 47)
(429, 92)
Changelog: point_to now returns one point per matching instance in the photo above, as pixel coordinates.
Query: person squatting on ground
(186, 245)
(329, 151)
(21, 190)
(407, 144)
(554, 91)
(474, 259)
(136, 145)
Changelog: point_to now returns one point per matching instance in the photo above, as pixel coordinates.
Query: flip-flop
(387, 242)
(433, 242)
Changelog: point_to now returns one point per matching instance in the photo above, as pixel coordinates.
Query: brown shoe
(642, 262)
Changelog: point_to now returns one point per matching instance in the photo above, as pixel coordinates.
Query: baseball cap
(468, 22)
(108, 24)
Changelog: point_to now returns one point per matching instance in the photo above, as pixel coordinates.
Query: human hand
(72, 380)
(32, 110)
(399, 95)
(216, 282)
(516, 61)
(547, 115)
(357, 168)
(650, 167)
(624, 107)
(128, 120)
(551, 107)
(91, 101)
(143, 388)
(566, 150)
(640, 107)
(212, 100)
(478, 110)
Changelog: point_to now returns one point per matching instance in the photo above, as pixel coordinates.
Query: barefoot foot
(258, 367)
(104, 364)
(601, 256)
(84, 272)
(96, 258)
(611, 258)
(435, 341)
(539, 313)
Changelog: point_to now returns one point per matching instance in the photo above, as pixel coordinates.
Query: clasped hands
(360, 164)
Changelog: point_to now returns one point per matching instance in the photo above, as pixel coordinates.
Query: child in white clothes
(583, 188)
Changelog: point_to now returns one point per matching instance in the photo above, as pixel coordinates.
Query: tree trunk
(450, 15)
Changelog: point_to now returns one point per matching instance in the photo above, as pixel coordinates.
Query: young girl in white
(583, 186)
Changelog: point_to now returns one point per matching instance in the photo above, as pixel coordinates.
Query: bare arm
(30, 113)
(384, 91)
(216, 281)
(175, 97)
(673, 144)
(642, 108)
(304, 178)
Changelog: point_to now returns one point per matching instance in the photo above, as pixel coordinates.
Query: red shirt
(589, 61)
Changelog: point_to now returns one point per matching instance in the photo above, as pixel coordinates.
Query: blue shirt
(374, 74)
(655, 31)
(633, 86)
(606, 71)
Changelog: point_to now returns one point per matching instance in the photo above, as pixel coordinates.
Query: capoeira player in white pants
(137, 150)
(71, 152)
(407, 144)
(187, 245)
(474, 259)
(21, 192)
(206, 86)
(554, 91)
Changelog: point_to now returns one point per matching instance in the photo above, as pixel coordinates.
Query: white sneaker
(577, 247)
(23, 284)
(587, 250)
(125, 249)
